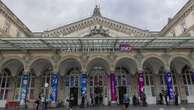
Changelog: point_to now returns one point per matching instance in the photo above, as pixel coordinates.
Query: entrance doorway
(98, 93)
(74, 92)
(122, 92)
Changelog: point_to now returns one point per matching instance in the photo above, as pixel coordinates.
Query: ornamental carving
(98, 31)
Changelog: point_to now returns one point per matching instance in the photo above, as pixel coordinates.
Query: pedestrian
(176, 98)
(134, 99)
(144, 99)
(71, 99)
(126, 101)
(83, 101)
(161, 98)
(166, 97)
(37, 102)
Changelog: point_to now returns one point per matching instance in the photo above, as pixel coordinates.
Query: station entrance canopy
(77, 44)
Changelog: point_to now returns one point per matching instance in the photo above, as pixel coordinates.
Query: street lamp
(45, 94)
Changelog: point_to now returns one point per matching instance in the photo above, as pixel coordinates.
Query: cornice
(96, 20)
(188, 7)
(8, 13)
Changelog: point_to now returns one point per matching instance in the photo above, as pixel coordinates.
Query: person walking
(161, 98)
(176, 98)
(126, 101)
(83, 102)
(166, 97)
(37, 102)
(71, 99)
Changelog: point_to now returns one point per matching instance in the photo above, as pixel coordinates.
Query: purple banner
(141, 83)
(125, 47)
(193, 76)
(113, 87)
(169, 83)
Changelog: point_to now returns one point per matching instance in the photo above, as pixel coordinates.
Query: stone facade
(41, 64)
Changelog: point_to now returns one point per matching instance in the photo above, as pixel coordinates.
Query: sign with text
(125, 47)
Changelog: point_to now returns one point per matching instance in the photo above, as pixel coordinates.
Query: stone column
(13, 88)
(134, 83)
(61, 88)
(37, 87)
(156, 80)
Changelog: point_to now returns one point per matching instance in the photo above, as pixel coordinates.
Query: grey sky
(40, 15)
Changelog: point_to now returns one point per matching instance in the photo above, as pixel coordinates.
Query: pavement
(150, 107)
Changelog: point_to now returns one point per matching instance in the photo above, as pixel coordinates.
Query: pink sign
(141, 83)
(124, 47)
(113, 87)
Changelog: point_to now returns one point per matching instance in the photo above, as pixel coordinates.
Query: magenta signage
(124, 47)
(141, 82)
(113, 87)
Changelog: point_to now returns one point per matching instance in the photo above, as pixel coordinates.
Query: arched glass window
(122, 77)
(46, 78)
(31, 85)
(187, 80)
(149, 84)
(5, 78)
(72, 78)
(97, 81)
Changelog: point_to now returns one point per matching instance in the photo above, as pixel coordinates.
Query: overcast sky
(40, 15)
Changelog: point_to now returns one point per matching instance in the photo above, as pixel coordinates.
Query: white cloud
(39, 15)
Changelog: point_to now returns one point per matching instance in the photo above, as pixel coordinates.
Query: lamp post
(45, 95)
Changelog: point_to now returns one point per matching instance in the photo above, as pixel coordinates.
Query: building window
(72, 78)
(6, 26)
(173, 33)
(31, 87)
(149, 84)
(187, 80)
(5, 78)
(183, 27)
(18, 33)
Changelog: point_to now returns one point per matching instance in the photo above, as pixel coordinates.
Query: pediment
(84, 27)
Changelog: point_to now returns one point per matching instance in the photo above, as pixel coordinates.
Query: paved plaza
(151, 107)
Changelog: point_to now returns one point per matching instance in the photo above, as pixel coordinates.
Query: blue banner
(54, 87)
(193, 76)
(24, 88)
(83, 80)
(169, 83)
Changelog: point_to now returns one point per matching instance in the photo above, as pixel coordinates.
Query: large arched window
(46, 78)
(72, 78)
(5, 78)
(31, 86)
(187, 80)
(149, 84)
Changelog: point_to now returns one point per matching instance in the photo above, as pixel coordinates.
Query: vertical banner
(113, 87)
(141, 84)
(193, 76)
(54, 87)
(24, 88)
(169, 83)
(83, 83)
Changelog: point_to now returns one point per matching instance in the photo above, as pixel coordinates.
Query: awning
(95, 44)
